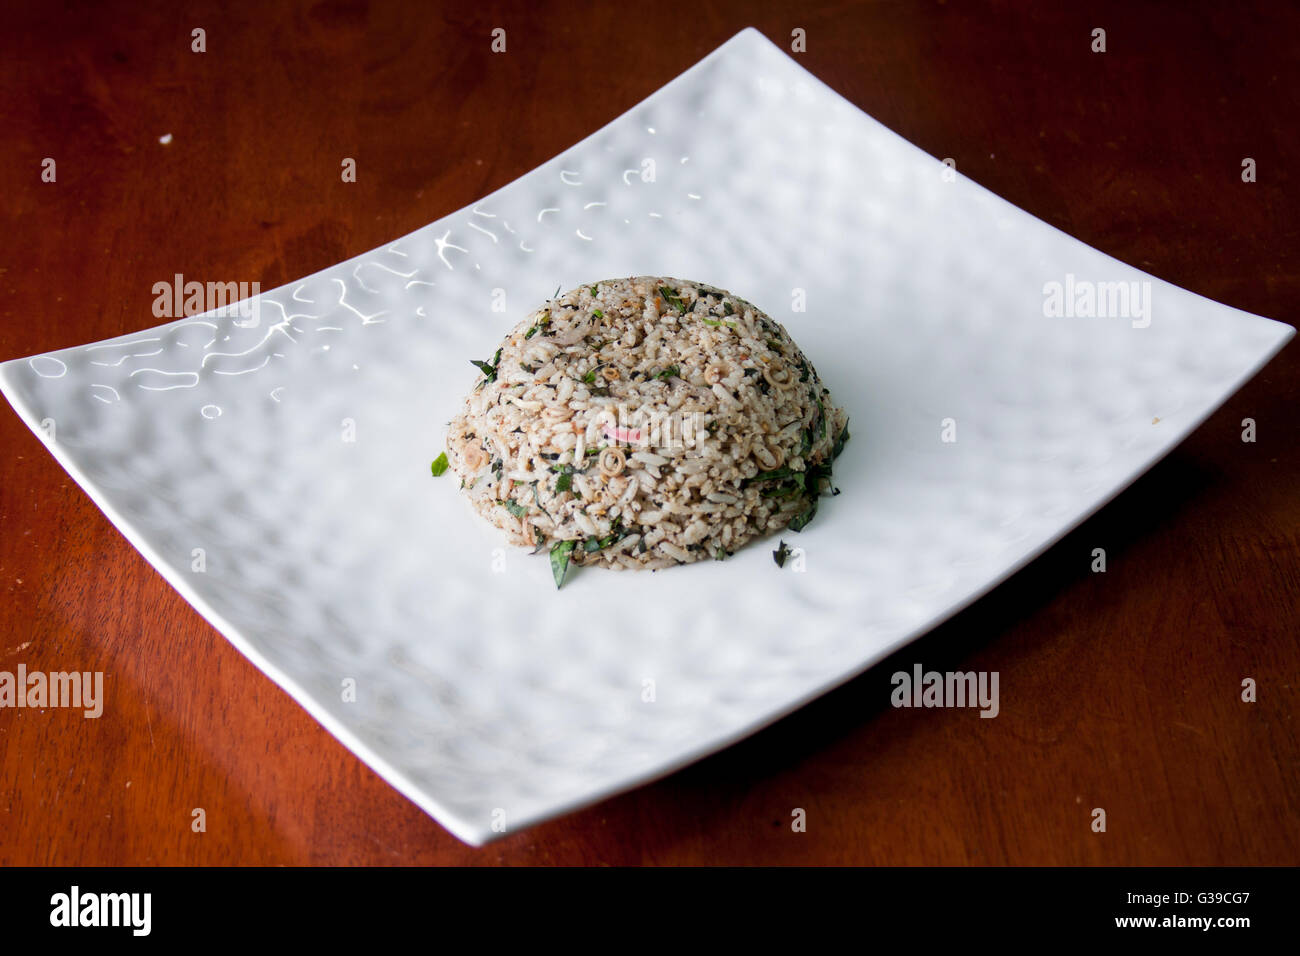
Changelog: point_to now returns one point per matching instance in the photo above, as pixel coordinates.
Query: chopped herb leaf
(542, 323)
(800, 521)
(593, 292)
(616, 533)
(840, 441)
(514, 507)
(669, 372)
(590, 377)
(597, 313)
(719, 553)
(717, 322)
(489, 369)
(777, 473)
(727, 309)
(819, 473)
(672, 299)
(565, 481)
(560, 560)
(783, 491)
(779, 555)
(439, 466)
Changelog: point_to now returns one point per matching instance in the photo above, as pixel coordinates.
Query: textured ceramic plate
(275, 467)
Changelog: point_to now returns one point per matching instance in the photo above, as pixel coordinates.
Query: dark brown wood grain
(1119, 690)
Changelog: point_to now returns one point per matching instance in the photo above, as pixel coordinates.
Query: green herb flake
(669, 372)
(719, 553)
(489, 369)
(800, 521)
(616, 533)
(672, 299)
(541, 325)
(784, 491)
(560, 560)
(439, 466)
(840, 441)
(597, 313)
(778, 474)
(565, 481)
(779, 555)
(514, 507)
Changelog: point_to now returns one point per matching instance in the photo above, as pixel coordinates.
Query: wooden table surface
(1120, 690)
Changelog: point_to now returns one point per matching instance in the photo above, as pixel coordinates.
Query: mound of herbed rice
(645, 422)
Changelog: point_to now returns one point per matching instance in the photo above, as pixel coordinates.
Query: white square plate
(295, 452)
